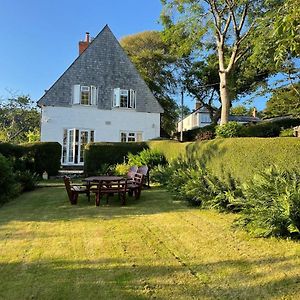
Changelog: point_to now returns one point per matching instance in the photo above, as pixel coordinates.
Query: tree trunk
(225, 100)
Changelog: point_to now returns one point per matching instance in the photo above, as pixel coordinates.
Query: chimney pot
(254, 112)
(87, 37)
(84, 44)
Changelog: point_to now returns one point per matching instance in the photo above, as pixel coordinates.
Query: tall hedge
(242, 157)
(36, 157)
(8, 185)
(45, 156)
(171, 149)
(99, 154)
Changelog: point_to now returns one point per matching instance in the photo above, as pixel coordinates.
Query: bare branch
(243, 17)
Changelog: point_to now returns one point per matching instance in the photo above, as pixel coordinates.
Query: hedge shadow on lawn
(138, 278)
(52, 204)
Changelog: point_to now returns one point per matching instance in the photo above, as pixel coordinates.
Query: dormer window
(85, 95)
(124, 98)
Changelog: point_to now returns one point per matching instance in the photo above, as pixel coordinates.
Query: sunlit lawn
(152, 248)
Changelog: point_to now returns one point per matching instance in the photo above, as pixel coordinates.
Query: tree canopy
(246, 41)
(152, 57)
(18, 120)
(284, 102)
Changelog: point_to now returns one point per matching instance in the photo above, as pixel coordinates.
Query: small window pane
(123, 137)
(124, 98)
(92, 136)
(131, 137)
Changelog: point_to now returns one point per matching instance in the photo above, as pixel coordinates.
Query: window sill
(123, 108)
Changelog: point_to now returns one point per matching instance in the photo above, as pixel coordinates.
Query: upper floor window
(124, 98)
(85, 95)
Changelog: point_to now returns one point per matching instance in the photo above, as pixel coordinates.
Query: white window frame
(137, 135)
(131, 98)
(71, 139)
(77, 96)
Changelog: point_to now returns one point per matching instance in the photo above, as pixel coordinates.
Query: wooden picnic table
(108, 185)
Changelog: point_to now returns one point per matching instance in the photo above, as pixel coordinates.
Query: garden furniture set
(108, 186)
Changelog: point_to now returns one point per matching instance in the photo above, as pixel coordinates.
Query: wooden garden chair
(135, 186)
(74, 190)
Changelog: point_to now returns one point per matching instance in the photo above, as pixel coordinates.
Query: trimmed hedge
(242, 157)
(36, 157)
(44, 156)
(99, 154)
(269, 128)
(171, 149)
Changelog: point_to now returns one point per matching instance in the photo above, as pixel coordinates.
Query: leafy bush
(8, 186)
(121, 169)
(147, 157)
(191, 135)
(229, 130)
(188, 179)
(273, 203)
(98, 154)
(205, 135)
(289, 132)
(27, 180)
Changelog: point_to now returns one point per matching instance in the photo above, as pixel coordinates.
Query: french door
(74, 142)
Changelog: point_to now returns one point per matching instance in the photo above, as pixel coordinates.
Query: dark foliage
(99, 154)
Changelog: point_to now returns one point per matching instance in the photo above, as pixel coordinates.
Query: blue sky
(40, 38)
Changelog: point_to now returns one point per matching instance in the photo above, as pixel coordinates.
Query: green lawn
(152, 248)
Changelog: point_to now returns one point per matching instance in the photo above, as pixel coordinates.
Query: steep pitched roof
(106, 65)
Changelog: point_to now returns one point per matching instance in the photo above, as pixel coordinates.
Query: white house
(101, 97)
(200, 117)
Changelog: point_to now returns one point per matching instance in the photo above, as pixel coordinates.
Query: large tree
(202, 82)
(18, 119)
(284, 102)
(151, 56)
(224, 27)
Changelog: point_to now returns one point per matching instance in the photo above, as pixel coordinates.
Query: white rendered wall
(194, 120)
(107, 124)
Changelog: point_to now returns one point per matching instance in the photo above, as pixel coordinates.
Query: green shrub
(27, 180)
(43, 156)
(269, 128)
(147, 157)
(8, 186)
(121, 169)
(188, 179)
(11, 150)
(229, 130)
(97, 154)
(193, 134)
(289, 132)
(273, 203)
(36, 157)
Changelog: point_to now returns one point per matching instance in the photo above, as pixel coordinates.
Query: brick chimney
(198, 105)
(254, 112)
(84, 44)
